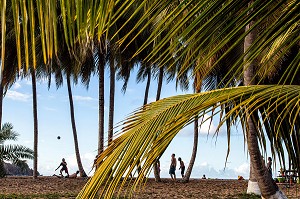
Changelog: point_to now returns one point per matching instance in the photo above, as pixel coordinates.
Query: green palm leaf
(15, 152)
(7, 133)
(152, 128)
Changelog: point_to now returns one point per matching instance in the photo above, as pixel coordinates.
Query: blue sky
(54, 120)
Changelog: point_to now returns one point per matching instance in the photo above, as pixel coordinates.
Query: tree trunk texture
(253, 187)
(35, 125)
(147, 86)
(111, 101)
(101, 109)
(76, 145)
(159, 87)
(196, 134)
(145, 102)
(267, 186)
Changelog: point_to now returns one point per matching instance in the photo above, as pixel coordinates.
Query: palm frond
(15, 152)
(152, 128)
(7, 133)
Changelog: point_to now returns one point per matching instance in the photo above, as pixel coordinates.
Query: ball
(58, 137)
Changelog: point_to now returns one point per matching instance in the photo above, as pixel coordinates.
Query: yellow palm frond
(148, 131)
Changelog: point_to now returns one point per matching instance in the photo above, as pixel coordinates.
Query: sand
(196, 188)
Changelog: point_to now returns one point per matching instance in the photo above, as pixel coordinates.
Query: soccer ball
(58, 137)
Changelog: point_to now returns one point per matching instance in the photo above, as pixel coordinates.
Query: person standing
(269, 165)
(173, 167)
(63, 164)
(181, 167)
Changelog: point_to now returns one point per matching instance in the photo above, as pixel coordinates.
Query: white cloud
(207, 126)
(15, 95)
(83, 98)
(209, 170)
(50, 109)
(243, 169)
(17, 85)
(28, 82)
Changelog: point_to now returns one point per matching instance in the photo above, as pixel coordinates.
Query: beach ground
(53, 187)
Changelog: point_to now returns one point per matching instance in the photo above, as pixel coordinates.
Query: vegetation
(225, 44)
(13, 153)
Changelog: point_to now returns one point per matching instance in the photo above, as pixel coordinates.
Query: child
(64, 167)
(182, 167)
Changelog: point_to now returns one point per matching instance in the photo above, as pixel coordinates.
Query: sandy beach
(196, 188)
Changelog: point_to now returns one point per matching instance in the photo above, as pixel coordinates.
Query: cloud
(207, 126)
(50, 109)
(17, 85)
(243, 169)
(209, 170)
(15, 95)
(83, 98)
(28, 82)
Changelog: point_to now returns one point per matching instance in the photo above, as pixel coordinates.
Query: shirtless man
(173, 167)
(64, 168)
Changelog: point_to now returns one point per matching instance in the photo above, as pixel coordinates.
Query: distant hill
(17, 171)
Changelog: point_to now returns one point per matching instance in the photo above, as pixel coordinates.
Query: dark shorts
(182, 170)
(172, 170)
(64, 169)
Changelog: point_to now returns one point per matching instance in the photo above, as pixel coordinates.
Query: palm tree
(13, 153)
(111, 98)
(217, 23)
(76, 145)
(249, 97)
(35, 124)
(101, 65)
(196, 133)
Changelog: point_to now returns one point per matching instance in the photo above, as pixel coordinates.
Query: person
(269, 165)
(204, 177)
(74, 175)
(181, 167)
(63, 164)
(241, 178)
(158, 167)
(173, 167)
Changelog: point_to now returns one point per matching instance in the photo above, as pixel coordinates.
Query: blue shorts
(172, 170)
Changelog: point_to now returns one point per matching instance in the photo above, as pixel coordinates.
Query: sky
(54, 120)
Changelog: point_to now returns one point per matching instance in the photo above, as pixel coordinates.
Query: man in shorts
(173, 167)
(63, 164)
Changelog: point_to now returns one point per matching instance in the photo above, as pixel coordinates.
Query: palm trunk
(267, 186)
(101, 108)
(147, 85)
(145, 102)
(80, 167)
(159, 87)
(196, 134)
(111, 101)
(35, 125)
(253, 187)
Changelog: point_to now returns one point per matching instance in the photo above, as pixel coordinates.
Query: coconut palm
(217, 23)
(210, 14)
(12, 153)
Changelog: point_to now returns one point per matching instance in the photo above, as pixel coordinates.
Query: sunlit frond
(152, 128)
